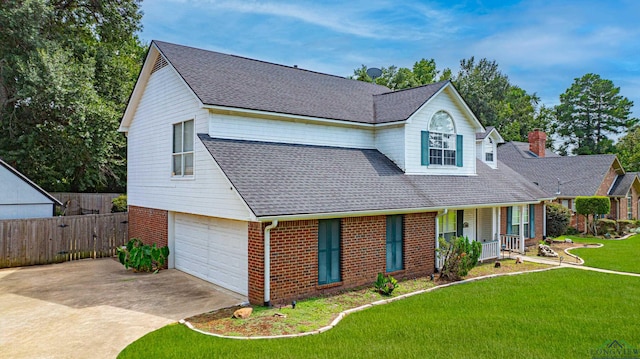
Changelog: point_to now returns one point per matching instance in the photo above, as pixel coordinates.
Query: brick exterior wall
(294, 255)
(256, 262)
(149, 224)
(607, 182)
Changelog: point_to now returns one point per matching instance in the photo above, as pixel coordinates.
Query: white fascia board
(458, 98)
(299, 217)
(141, 85)
(299, 118)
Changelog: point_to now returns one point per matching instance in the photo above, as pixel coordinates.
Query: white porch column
(437, 241)
(521, 227)
(494, 220)
(498, 222)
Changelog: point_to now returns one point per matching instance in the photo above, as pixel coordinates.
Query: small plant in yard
(119, 204)
(143, 257)
(459, 256)
(385, 284)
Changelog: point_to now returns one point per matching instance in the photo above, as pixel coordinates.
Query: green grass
(619, 255)
(559, 313)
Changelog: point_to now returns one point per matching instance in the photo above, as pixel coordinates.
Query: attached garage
(213, 249)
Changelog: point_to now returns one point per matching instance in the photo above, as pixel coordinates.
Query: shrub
(592, 205)
(119, 204)
(143, 257)
(606, 225)
(558, 219)
(625, 225)
(385, 284)
(459, 256)
(571, 231)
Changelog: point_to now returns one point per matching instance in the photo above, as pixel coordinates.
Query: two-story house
(281, 183)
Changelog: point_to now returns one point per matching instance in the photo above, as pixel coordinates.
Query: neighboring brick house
(568, 177)
(280, 183)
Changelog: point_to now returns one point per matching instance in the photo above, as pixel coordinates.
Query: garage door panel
(213, 249)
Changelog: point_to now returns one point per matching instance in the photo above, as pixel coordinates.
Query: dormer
(440, 136)
(487, 146)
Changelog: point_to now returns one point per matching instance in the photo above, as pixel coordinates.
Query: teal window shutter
(532, 221)
(394, 243)
(459, 150)
(509, 213)
(460, 223)
(328, 251)
(425, 148)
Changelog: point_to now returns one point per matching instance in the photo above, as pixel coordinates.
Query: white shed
(21, 198)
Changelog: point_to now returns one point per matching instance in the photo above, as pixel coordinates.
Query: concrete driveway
(94, 308)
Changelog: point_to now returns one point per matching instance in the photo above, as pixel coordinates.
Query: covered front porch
(497, 228)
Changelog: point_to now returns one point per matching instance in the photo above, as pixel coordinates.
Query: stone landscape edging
(344, 313)
(594, 245)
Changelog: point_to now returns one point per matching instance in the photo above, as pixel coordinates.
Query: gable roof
(514, 150)
(29, 182)
(277, 179)
(400, 105)
(238, 82)
(243, 84)
(574, 175)
(623, 184)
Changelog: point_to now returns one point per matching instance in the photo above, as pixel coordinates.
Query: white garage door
(213, 249)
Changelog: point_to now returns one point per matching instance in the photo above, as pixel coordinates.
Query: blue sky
(541, 45)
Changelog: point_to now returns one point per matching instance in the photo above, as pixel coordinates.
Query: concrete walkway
(94, 308)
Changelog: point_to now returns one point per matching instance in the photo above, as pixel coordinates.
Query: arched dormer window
(441, 145)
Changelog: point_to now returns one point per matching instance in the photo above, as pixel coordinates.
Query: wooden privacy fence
(58, 239)
(86, 203)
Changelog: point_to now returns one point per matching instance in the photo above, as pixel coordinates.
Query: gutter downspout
(267, 262)
(444, 212)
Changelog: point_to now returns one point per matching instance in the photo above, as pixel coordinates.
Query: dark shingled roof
(400, 105)
(277, 179)
(623, 184)
(516, 150)
(238, 82)
(483, 135)
(578, 175)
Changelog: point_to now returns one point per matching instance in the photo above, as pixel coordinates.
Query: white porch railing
(511, 242)
(490, 250)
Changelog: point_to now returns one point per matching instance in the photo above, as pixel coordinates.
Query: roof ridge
(413, 88)
(269, 63)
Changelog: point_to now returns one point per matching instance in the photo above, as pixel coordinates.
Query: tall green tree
(67, 68)
(496, 102)
(424, 72)
(590, 113)
(628, 150)
(487, 91)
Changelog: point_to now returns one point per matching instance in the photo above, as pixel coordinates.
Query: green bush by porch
(501, 317)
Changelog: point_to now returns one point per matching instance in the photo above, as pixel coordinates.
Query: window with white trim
(629, 206)
(489, 151)
(182, 157)
(442, 140)
(447, 225)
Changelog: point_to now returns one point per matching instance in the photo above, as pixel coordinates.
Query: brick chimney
(537, 142)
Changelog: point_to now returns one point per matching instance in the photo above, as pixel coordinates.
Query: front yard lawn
(619, 255)
(559, 313)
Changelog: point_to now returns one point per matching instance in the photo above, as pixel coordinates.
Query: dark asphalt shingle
(238, 82)
(573, 175)
(623, 184)
(289, 179)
